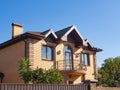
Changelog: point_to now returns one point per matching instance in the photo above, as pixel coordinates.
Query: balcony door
(68, 57)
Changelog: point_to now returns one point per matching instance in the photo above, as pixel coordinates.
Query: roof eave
(97, 49)
(19, 38)
(51, 32)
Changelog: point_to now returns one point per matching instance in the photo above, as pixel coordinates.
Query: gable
(73, 37)
(71, 34)
(50, 38)
(49, 32)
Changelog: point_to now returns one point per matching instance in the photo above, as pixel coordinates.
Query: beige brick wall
(9, 64)
(9, 58)
(90, 70)
(38, 62)
(59, 48)
(77, 79)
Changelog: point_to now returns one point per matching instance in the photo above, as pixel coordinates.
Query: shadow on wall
(1, 77)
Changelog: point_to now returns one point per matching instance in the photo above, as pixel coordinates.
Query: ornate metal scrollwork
(76, 65)
(83, 67)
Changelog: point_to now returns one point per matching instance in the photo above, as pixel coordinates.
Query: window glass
(44, 52)
(82, 57)
(47, 52)
(67, 51)
(85, 59)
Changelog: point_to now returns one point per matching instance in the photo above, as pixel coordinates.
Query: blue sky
(97, 20)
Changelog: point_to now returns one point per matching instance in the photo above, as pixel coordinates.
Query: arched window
(68, 57)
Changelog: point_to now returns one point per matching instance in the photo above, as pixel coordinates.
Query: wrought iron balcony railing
(70, 65)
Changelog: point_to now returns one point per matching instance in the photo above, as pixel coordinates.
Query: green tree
(38, 75)
(25, 70)
(53, 76)
(109, 73)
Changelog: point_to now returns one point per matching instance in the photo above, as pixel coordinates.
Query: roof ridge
(61, 32)
(45, 31)
(65, 28)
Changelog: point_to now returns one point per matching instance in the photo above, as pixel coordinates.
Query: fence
(4, 86)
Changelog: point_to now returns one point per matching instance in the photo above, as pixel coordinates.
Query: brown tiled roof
(59, 34)
(34, 35)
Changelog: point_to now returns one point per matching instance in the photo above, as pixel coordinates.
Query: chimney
(17, 30)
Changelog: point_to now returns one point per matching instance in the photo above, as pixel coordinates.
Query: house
(65, 50)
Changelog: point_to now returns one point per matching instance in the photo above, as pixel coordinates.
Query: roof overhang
(20, 38)
(73, 28)
(97, 49)
(69, 31)
(50, 32)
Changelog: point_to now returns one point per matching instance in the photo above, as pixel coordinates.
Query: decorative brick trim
(29, 52)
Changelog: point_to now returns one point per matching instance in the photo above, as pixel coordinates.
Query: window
(68, 57)
(47, 52)
(85, 59)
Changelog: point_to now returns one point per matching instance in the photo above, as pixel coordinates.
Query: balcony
(73, 67)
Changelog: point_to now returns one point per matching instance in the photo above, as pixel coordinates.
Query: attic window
(47, 52)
